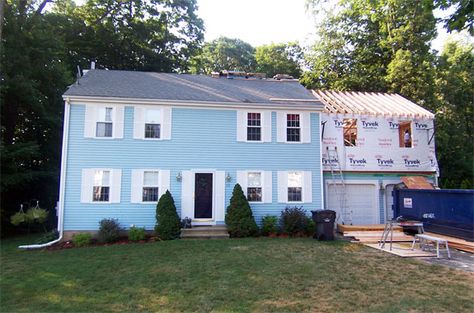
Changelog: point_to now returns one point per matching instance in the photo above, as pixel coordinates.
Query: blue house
(130, 136)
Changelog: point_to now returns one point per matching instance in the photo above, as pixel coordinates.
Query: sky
(261, 22)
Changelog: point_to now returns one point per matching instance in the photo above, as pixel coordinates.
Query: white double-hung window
(295, 187)
(149, 184)
(256, 185)
(152, 122)
(293, 127)
(254, 126)
(101, 185)
(103, 121)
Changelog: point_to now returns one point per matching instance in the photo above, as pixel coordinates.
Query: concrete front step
(205, 232)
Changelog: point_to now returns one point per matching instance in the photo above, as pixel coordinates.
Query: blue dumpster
(445, 211)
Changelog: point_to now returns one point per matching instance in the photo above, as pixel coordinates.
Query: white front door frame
(204, 221)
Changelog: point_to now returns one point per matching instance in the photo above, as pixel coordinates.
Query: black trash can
(324, 220)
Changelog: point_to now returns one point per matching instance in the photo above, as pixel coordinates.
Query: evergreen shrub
(239, 217)
(109, 230)
(168, 224)
(136, 233)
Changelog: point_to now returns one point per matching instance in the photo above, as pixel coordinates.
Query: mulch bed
(94, 243)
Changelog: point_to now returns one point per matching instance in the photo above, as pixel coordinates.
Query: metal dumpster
(445, 211)
(324, 220)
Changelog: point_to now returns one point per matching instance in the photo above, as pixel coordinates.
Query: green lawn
(244, 275)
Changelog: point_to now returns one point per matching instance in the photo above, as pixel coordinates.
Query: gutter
(62, 182)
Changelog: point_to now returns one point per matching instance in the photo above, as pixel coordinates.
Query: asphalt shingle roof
(187, 87)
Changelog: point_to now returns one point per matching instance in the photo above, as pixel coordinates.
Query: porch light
(179, 177)
(228, 178)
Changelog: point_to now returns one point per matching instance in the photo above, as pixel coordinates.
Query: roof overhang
(283, 104)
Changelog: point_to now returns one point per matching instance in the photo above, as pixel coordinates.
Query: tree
(168, 225)
(239, 217)
(153, 35)
(224, 54)
(279, 59)
(363, 42)
(34, 75)
(461, 18)
(455, 118)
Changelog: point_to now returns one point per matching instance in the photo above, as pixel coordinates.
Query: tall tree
(34, 75)
(279, 59)
(461, 18)
(372, 45)
(224, 54)
(455, 118)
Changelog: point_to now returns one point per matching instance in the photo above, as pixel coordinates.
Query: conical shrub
(239, 217)
(168, 225)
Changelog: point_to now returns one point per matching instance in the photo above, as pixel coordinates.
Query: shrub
(239, 216)
(269, 225)
(81, 239)
(168, 225)
(136, 233)
(310, 227)
(294, 220)
(109, 230)
(50, 236)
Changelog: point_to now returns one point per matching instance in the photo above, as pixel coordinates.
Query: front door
(203, 195)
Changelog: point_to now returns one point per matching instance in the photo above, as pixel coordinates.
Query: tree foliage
(462, 17)
(280, 58)
(224, 54)
(168, 225)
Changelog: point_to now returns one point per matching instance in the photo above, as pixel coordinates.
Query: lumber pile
(456, 243)
(375, 227)
(374, 236)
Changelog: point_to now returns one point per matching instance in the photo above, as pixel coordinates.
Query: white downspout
(62, 182)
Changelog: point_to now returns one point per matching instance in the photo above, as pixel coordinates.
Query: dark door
(203, 195)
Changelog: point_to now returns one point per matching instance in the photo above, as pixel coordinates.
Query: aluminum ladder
(339, 185)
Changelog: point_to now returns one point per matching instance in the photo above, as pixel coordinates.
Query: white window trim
(108, 185)
(87, 185)
(91, 119)
(305, 127)
(137, 184)
(266, 184)
(306, 191)
(265, 126)
(139, 121)
(262, 176)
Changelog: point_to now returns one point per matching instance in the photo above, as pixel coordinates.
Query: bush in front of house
(109, 230)
(239, 217)
(294, 221)
(136, 233)
(168, 225)
(310, 227)
(269, 225)
(81, 239)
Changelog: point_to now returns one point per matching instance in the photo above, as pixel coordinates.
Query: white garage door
(360, 198)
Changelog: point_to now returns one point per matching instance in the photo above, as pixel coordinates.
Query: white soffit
(370, 103)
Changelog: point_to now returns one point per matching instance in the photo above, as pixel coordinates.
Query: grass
(238, 275)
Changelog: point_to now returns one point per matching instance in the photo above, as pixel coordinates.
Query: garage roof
(370, 103)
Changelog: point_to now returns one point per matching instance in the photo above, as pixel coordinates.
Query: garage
(361, 199)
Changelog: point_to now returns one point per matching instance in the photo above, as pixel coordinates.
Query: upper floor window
(254, 126)
(254, 129)
(150, 186)
(254, 186)
(405, 134)
(104, 122)
(295, 186)
(153, 123)
(101, 187)
(350, 132)
(293, 130)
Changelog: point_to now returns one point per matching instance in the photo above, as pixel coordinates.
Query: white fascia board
(186, 103)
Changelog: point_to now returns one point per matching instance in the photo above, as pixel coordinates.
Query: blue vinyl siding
(201, 139)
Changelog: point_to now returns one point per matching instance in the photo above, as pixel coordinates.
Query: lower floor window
(101, 193)
(294, 194)
(150, 194)
(254, 194)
